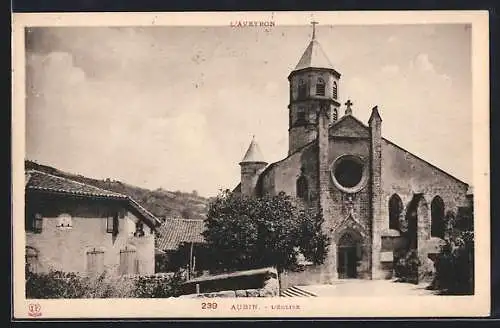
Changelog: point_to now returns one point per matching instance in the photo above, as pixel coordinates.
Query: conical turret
(252, 165)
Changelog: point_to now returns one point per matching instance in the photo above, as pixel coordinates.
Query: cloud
(53, 71)
(132, 104)
(390, 69)
(423, 64)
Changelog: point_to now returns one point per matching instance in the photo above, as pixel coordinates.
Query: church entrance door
(347, 262)
(347, 256)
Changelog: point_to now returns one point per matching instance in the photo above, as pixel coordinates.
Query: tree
(250, 232)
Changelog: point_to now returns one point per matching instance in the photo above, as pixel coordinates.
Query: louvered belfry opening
(320, 87)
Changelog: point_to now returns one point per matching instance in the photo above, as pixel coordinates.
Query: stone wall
(235, 293)
(417, 182)
(311, 275)
(65, 248)
(406, 175)
(397, 172)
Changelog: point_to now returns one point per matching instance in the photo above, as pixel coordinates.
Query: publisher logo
(34, 310)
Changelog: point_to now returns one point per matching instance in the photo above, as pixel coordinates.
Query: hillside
(162, 203)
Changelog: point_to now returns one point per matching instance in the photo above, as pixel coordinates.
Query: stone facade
(350, 172)
(65, 248)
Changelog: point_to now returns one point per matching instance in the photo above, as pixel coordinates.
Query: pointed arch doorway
(348, 255)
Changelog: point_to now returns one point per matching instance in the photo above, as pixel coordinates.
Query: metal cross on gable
(348, 104)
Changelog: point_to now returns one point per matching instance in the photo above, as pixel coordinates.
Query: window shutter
(31, 260)
(95, 261)
(128, 261)
(38, 223)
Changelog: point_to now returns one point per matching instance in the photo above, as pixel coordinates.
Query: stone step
(295, 291)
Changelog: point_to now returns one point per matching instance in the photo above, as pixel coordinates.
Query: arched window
(320, 87)
(95, 260)
(31, 259)
(302, 89)
(437, 217)
(129, 263)
(334, 90)
(395, 209)
(302, 188)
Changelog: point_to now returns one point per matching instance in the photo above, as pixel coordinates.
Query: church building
(378, 199)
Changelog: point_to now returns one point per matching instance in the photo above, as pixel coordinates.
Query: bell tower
(314, 83)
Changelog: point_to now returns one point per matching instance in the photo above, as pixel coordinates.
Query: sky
(176, 107)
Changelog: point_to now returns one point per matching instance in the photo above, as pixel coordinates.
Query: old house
(180, 244)
(379, 201)
(75, 227)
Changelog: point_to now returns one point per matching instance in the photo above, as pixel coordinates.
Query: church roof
(314, 57)
(253, 154)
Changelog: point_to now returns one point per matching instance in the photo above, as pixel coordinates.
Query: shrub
(407, 267)
(455, 262)
(56, 284)
(455, 266)
(158, 287)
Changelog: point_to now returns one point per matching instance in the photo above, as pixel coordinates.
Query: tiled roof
(314, 56)
(37, 180)
(253, 153)
(45, 182)
(176, 231)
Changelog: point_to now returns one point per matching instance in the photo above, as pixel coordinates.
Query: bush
(455, 262)
(158, 287)
(455, 266)
(56, 284)
(406, 268)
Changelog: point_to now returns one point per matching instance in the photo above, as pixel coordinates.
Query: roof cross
(314, 23)
(348, 104)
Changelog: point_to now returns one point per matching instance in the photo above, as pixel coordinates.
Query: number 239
(208, 306)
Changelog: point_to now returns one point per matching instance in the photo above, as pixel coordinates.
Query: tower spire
(314, 23)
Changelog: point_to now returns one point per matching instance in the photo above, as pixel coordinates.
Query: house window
(334, 90)
(320, 87)
(31, 260)
(112, 223)
(95, 260)
(302, 188)
(38, 223)
(139, 229)
(302, 89)
(129, 264)
(64, 221)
